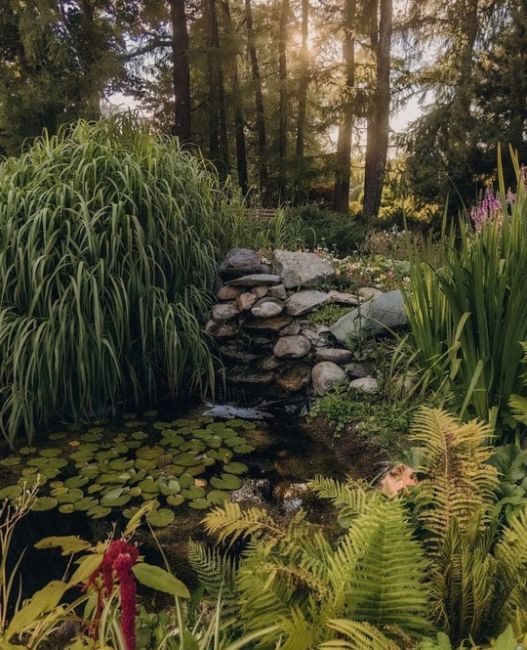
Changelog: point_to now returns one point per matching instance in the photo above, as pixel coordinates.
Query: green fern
(357, 636)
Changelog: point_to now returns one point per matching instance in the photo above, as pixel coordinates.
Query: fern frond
(457, 482)
(518, 404)
(232, 523)
(379, 571)
(351, 498)
(357, 636)
(216, 572)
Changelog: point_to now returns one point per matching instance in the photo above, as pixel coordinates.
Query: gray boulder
(278, 292)
(224, 311)
(365, 385)
(385, 312)
(242, 261)
(267, 308)
(340, 298)
(367, 293)
(336, 355)
(305, 301)
(229, 293)
(325, 375)
(299, 270)
(292, 347)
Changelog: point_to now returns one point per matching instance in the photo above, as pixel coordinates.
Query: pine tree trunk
(180, 72)
(304, 80)
(379, 118)
(218, 138)
(343, 162)
(283, 107)
(258, 96)
(239, 133)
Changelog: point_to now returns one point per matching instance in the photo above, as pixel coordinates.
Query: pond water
(186, 459)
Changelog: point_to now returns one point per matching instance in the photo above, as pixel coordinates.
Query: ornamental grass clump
(468, 314)
(109, 240)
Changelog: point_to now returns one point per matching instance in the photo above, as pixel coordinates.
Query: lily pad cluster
(171, 463)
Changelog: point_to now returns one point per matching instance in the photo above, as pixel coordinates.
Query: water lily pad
(120, 464)
(133, 424)
(76, 481)
(150, 414)
(44, 503)
(130, 415)
(99, 512)
(235, 468)
(69, 496)
(49, 472)
(142, 463)
(235, 441)
(66, 508)
(10, 461)
(161, 425)
(150, 453)
(196, 470)
(51, 452)
(175, 500)
(25, 451)
(186, 480)
(217, 497)
(59, 435)
(226, 482)
(186, 459)
(199, 504)
(243, 449)
(96, 430)
(193, 492)
(89, 471)
(50, 463)
(116, 502)
(86, 504)
(139, 435)
(10, 492)
(29, 470)
(149, 485)
(169, 487)
(160, 518)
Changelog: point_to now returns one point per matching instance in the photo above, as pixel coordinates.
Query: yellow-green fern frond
(357, 635)
(456, 480)
(216, 571)
(379, 571)
(232, 523)
(351, 498)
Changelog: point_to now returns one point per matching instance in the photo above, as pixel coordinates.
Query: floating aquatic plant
(102, 471)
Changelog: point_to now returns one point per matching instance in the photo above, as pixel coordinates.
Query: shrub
(326, 229)
(109, 238)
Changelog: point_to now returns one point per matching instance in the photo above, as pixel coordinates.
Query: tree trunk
(180, 72)
(343, 163)
(379, 118)
(283, 108)
(304, 80)
(258, 96)
(218, 139)
(239, 133)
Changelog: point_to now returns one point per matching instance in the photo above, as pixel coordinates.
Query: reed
(109, 242)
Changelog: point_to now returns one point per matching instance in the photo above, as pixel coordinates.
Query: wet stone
(245, 301)
(295, 379)
(292, 347)
(229, 293)
(254, 280)
(224, 311)
(222, 329)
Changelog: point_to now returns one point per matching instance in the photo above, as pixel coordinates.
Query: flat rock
(254, 279)
(292, 347)
(225, 311)
(260, 291)
(237, 353)
(340, 298)
(267, 324)
(278, 292)
(245, 301)
(325, 375)
(305, 301)
(229, 293)
(365, 385)
(291, 330)
(267, 307)
(356, 370)
(367, 293)
(295, 379)
(301, 270)
(242, 261)
(222, 329)
(336, 355)
(377, 316)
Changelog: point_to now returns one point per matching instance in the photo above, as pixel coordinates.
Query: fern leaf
(357, 636)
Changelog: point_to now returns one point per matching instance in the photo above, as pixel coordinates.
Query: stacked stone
(261, 328)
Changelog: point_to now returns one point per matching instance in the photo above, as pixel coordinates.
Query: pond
(187, 460)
